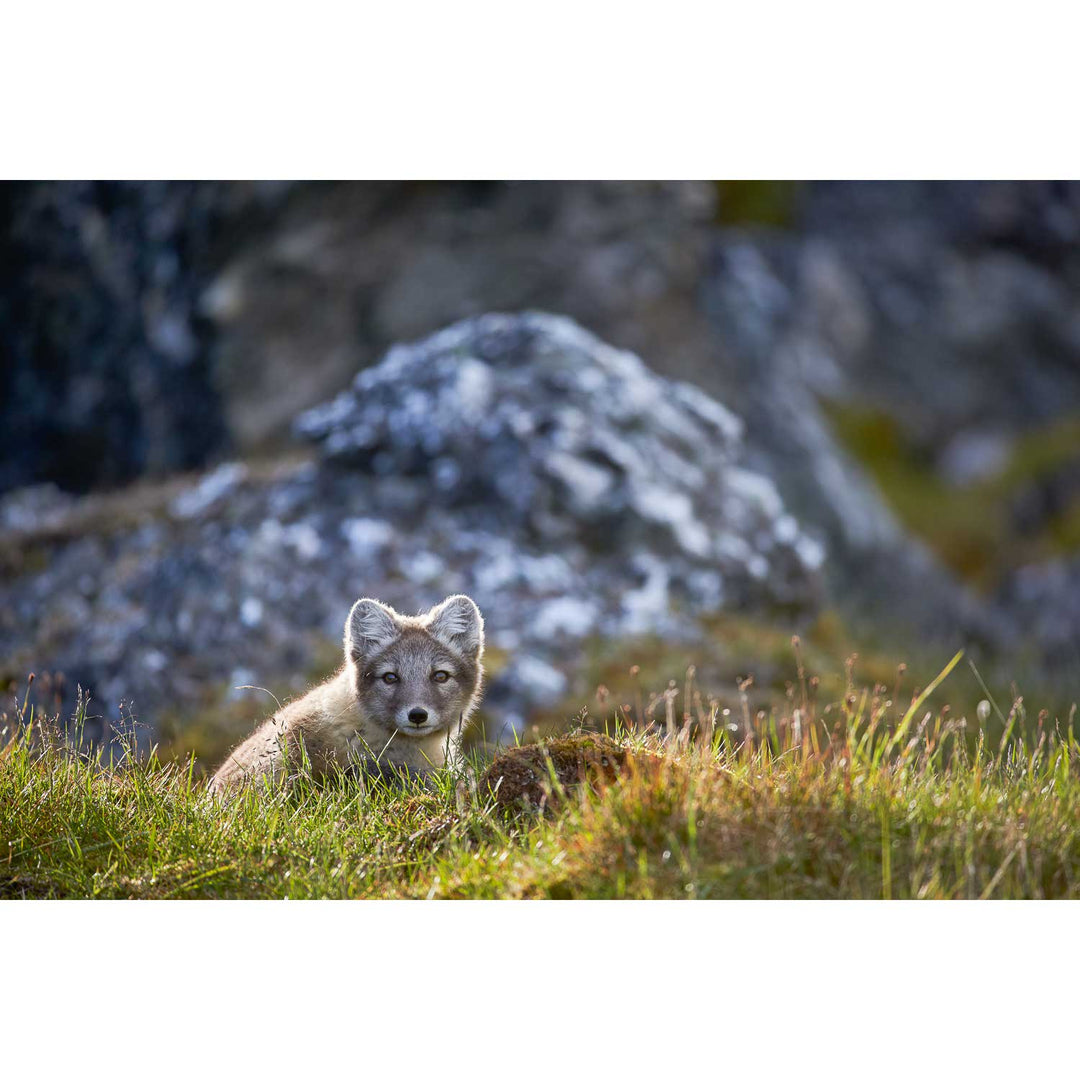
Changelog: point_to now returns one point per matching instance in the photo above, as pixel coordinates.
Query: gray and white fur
(408, 687)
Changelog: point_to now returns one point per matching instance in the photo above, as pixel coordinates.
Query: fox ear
(457, 622)
(369, 627)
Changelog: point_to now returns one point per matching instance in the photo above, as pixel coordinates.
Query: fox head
(416, 675)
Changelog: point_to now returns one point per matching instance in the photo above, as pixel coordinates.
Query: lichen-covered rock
(518, 459)
(536, 426)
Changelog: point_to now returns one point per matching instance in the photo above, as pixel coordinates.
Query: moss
(542, 775)
(1064, 530)
(757, 202)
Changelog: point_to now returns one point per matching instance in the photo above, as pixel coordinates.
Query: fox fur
(408, 686)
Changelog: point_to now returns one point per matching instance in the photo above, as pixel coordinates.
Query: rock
(347, 270)
(517, 458)
(950, 310)
(973, 456)
(781, 356)
(534, 426)
(1045, 601)
(150, 327)
(108, 370)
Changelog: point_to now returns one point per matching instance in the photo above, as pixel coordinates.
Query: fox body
(408, 685)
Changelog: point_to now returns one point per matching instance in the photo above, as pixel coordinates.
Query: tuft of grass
(875, 794)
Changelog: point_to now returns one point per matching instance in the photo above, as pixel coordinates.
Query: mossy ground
(874, 793)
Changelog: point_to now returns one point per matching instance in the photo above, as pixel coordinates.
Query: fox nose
(418, 716)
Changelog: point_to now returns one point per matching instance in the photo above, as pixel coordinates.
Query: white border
(560, 90)
(541, 989)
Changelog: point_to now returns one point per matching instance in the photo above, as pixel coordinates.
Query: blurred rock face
(148, 328)
(106, 372)
(144, 326)
(954, 308)
(519, 459)
(349, 270)
(944, 318)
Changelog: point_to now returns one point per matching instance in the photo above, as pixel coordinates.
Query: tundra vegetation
(874, 791)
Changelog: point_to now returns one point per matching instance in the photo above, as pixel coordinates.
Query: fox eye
(441, 676)
(389, 677)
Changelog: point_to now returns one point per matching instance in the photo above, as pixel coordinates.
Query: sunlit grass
(864, 796)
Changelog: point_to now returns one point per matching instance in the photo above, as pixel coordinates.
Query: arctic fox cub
(408, 685)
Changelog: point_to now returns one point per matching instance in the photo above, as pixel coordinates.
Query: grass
(864, 796)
